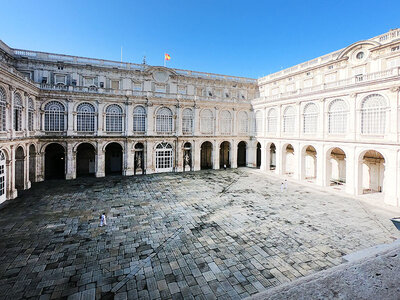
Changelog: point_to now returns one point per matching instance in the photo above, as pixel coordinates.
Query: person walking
(282, 187)
(103, 220)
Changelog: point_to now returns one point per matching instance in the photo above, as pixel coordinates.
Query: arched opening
(187, 157)
(164, 157)
(372, 165)
(3, 179)
(289, 162)
(336, 167)
(113, 159)
(258, 156)
(272, 157)
(139, 159)
(54, 162)
(85, 160)
(241, 155)
(224, 152)
(310, 163)
(206, 156)
(19, 168)
(32, 163)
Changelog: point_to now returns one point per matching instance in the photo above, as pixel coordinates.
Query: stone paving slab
(203, 235)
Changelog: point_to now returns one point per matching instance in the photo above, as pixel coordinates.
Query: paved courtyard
(203, 235)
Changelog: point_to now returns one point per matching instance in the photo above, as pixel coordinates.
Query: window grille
(187, 121)
(164, 120)
(164, 156)
(114, 118)
(272, 120)
(206, 121)
(289, 117)
(2, 174)
(85, 117)
(258, 123)
(337, 117)
(3, 108)
(225, 122)
(17, 112)
(139, 119)
(373, 115)
(243, 122)
(31, 110)
(54, 114)
(310, 118)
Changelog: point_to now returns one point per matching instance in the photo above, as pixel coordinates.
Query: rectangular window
(30, 120)
(160, 88)
(60, 79)
(115, 84)
(137, 87)
(89, 81)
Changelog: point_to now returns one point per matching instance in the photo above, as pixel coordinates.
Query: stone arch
(164, 157)
(242, 154)
(335, 167)
(271, 155)
(85, 159)
(288, 160)
(371, 170)
(139, 164)
(206, 155)
(113, 158)
(110, 142)
(54, 161)
(187, 156)
(309, 163)
(225, 154)
(20, 168)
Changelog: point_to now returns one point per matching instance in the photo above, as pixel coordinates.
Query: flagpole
(165, 61)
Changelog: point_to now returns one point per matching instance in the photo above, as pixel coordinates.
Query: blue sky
(242, 38)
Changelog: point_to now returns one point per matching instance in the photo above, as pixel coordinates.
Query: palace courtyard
(198, 235)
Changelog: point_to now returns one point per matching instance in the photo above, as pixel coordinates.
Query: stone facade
(333, 121)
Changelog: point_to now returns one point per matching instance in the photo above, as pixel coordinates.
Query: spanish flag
(167, 57)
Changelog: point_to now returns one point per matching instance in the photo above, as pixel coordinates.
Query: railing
(120, 65)
(340, 83)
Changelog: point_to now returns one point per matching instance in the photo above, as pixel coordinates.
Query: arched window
(187, 121)
(310, 118)
(206, 121)
(373, 115)
(259, 121)
(337, 117)
(272, 120)
(225, 122)
(139, 119)
(3, 107)
(17, 112)
(243, 122)
(164, 157)
(54, 114)
(289, 117)
(114, 118)
(31, 110)
(85, 117)
(164, 120)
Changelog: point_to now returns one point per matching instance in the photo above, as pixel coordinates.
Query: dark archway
(272, 157)
(19, 168)
(187, 157)
(241, 154)
(113, 159)
(224, 153)
(206, 155)
(139, 159)
(32, 163)
(85, 160)
(258, 154)
(54, 162)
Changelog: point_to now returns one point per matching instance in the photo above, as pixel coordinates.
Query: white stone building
(333, 121)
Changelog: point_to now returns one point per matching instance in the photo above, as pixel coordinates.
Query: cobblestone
(204, 235)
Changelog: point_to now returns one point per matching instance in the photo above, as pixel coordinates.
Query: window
(164, 157)
(272, 120)
(114, 118)
(182, 90)
(115, 84)
(258, 122)
(164, 120)
(137, 86)
(337, 117)
(60, 79)
(3, 107)
(206, 121)
(2, 176)
(160, 88)
(360, 55)
(396, 48)
(243, 122)
(289, 117)
(90, 81)
(31, 110)
(310, 118)
(139, 119)
(85, 117)
(54, 114)
(187, 121)
(17, 112)
(373, 115)
(225, 122)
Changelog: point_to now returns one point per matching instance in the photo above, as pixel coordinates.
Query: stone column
(71, 162)
(100, 119)
(178, 119)
(215, 155)
(196, 153)
(128, 118)
(26, 119)
(353, 124)
(196, 120)
(279, 158)
(70, 118)
(11, 111)
(179, 159)
(234, 126)
(264, 161)
(233, 154)
(321, 163)
(150, 163)
(216, 122)
(353, 174)
(129, 158)
(251, 154)
(100, 160)
(12, 191)
(40, 166)
(150, 118)
(27, 183)
(390, 187)
(300, 161)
